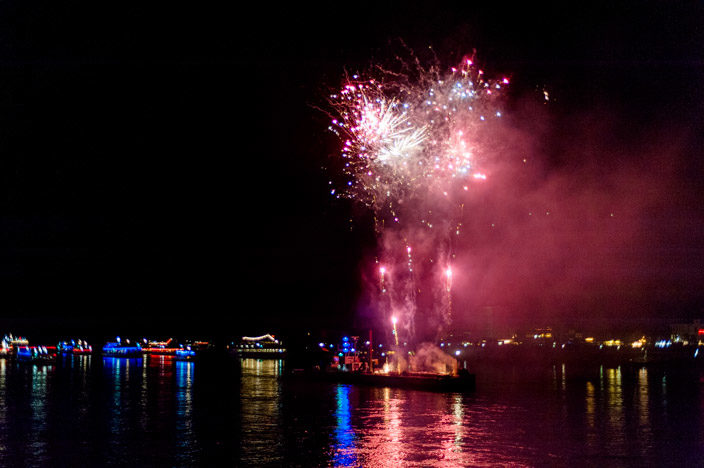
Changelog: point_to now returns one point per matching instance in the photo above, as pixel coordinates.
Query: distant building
(492, 322)
(540, 334)
(687, 333)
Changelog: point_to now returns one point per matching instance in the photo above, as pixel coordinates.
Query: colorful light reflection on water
(161, 412)
(522, 417)
(345, 452)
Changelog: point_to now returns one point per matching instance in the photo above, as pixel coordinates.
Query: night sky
(164, 167)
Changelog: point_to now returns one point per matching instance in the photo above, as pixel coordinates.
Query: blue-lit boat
(185, 354)
(36, 354)
(122, 349)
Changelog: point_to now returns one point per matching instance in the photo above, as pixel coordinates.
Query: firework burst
(404, 137)
(411, 141)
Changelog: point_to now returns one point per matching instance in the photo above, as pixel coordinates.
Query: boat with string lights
(36, 354)
(119, 348)
(75, 348)
(165, 348)
(259, 347)
(191, 350)
(10, 344)
(185, 354)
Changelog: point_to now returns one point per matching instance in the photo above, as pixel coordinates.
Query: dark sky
(162, 163)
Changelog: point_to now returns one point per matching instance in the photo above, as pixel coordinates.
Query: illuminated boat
(36, 354)
(199, 346)
(120, 349)
(75, 348)
(160, 347)
(10, 344)
(185, 354)
(462, 382)
(259, 347)
(193, 349)
(6, 349)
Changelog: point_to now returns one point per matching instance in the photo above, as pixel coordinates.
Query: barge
(462, 382)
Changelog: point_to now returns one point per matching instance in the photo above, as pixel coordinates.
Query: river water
(93, 411)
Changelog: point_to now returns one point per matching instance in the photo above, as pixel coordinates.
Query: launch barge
(463, 382)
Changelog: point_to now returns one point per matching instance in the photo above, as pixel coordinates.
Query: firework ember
(411, 142)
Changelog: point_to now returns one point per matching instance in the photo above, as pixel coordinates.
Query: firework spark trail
(411, 142)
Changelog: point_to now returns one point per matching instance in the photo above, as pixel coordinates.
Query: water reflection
(3, 404)
(184, 409)
(260, 418)
(458, 417)
(151, 405)
(598, 416)
(119, 372)
(392, 424)
(162, 412)
(344, 434)
(37, 445)
(590, 406)
(613, 434)
(644, 420)
(162, 395)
